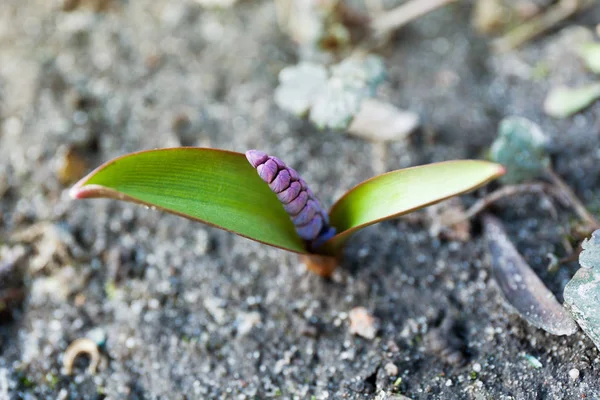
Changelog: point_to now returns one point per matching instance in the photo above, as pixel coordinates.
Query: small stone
(202, 243)
(590, 256)
(574, 374)
(216, 308)
(391, 369)
(582, 292)
(362, 323)
(98, 335)
(477, 367)
(382, 395)
(534, 362)
(449, 383)
(63, 394)
(247, 321)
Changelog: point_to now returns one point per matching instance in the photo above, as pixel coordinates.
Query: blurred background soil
(182, 310)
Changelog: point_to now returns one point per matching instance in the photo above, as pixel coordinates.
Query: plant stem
(388, 21)
(320, 264)
(529, 30)
(577, 205)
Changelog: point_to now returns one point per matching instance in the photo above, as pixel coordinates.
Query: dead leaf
(521, 287)
(382, 122)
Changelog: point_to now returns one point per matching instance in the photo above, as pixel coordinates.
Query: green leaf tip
(216, 187)
(403, 191)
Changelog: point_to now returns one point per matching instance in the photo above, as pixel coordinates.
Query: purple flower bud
(267, 171)
(303, 183)
(293, 174)
(256, 157)
(290, 193)
(327, 232)
(307, 213)
(309, 218)
(281, 181)
(280, 164)
(296, 205)
(311, 230)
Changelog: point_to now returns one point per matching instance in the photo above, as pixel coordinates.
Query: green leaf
(590, 53)
(400, 192)
(562, 101)
(216, 187)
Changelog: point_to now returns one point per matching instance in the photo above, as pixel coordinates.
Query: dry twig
(501, 193)
(388, 21)
(537, 26)
(574, 201)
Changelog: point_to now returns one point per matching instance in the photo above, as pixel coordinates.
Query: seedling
(259, 197)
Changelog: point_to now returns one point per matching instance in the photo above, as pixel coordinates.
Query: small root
(501, 193)
(579, 208)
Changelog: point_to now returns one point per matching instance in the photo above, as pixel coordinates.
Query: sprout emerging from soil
(259, 197)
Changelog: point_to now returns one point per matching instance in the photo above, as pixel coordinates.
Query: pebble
(216, 308)
(574, 374)
(98, 336)
(247, 321)
(362, 323)
(449, 383)
(391, 369)
(477, 367)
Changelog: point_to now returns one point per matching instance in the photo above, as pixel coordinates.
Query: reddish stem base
(319, 264)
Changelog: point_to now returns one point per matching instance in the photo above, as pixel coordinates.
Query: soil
(186, 311)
